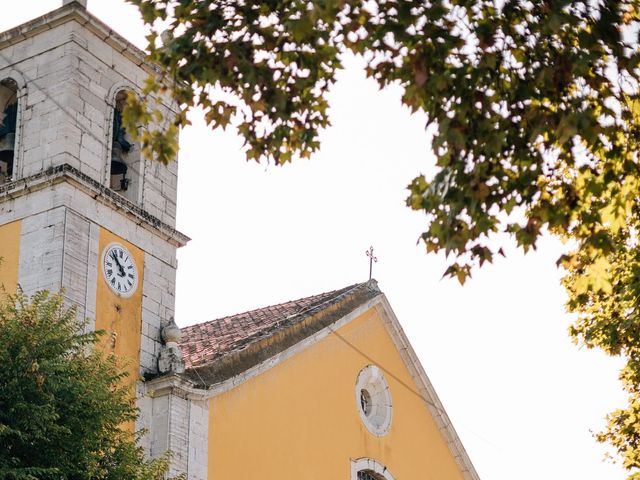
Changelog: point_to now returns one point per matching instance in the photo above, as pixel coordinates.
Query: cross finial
(371, 260)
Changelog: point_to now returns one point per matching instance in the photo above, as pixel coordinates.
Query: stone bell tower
(81, 211)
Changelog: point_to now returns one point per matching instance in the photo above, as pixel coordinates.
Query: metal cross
(371, 260)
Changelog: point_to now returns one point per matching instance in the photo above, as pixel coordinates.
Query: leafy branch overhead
(535, 103)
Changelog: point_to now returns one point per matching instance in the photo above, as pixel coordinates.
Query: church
(326, 386)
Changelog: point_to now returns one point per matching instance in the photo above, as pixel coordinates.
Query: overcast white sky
(522, 397)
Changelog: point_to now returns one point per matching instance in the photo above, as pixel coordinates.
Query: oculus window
(373, 400)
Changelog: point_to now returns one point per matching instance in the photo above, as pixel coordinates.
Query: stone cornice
(99, 192)
(174, 384)
(75, 11)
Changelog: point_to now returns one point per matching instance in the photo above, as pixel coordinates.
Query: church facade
(322, 387)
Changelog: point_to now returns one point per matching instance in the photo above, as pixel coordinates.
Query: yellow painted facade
(120, 318)
(300, 420)
(10, 253)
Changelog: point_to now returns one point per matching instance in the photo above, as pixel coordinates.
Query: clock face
(120, 271)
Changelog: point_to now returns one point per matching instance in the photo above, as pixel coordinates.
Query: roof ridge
(336, 292)
(226, 346)
(205, 342)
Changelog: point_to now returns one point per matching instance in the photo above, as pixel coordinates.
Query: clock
(119, 268)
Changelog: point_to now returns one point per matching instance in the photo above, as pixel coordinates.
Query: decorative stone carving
(170, 359)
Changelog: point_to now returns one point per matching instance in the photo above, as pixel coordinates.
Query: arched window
(126, 165)
(8, 127)
(369, 469)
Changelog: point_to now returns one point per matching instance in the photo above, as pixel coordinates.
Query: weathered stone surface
(170, 359)
(69, 74)
(69, 68)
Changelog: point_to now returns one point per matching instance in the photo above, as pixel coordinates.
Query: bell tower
(81, 210)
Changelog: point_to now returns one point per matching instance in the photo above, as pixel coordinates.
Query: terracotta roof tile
(206, 342)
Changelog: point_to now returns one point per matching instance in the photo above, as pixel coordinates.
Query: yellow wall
(120, 318)
(10, 253)
(299, 420)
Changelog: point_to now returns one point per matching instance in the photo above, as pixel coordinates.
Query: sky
(523, 398)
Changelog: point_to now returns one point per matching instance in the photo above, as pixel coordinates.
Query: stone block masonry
(69, 74)
(70, 68)
(61, 222)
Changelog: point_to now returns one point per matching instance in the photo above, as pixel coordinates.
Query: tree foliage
(62, 402)
(536, 108)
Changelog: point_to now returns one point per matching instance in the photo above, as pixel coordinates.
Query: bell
(118, 167)
(7, 142)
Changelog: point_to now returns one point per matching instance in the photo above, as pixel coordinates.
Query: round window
(373, 399)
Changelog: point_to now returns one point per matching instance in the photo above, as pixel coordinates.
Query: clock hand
(115, 257)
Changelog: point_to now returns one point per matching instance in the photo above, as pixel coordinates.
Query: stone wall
(69, 67)
(59, 251)
(68, 76)
(176, 422)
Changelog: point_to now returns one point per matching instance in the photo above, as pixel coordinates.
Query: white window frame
(360, 464)
(378, 421)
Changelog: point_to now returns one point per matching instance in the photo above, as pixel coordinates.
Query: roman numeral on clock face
(119, 270)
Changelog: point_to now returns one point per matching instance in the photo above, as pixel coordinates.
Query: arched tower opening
(8, 127)
(126, 162)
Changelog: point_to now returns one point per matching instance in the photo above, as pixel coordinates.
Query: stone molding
(425, 387)
(101, 193)
(173, 384)
(75, 11)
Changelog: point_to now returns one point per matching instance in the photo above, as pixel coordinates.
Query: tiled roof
(216, 341)
(209, 340)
